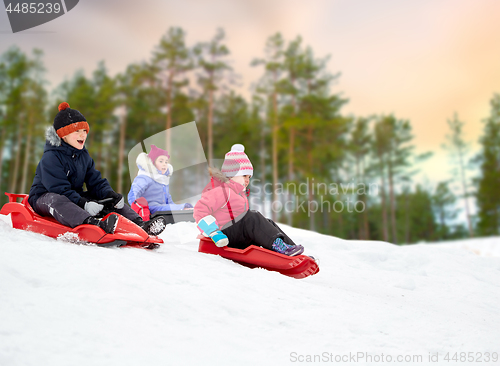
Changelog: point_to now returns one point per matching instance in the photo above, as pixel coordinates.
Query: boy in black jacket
(57, 188)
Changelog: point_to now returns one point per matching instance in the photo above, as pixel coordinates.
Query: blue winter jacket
(63, 169)
(153, 186)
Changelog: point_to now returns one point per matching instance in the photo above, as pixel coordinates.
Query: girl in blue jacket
(152, 181)
(57, 188)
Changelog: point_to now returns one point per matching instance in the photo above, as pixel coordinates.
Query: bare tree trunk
(392, 202)
(121, 150)
(263, 164)
(169, 106)
(365, 211)
(407, 218)
(27, 157)
(2, 144)
(274, 215)
(107, 158)
(464, 188)
(91, 142)
(210, 126)
(291, 148)
(361, 234)
(384, 210)
(340, 220)
(13, 182)
(312, 225)
(99, 154)
(290, 171)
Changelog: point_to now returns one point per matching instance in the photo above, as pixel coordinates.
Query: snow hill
(371, 303)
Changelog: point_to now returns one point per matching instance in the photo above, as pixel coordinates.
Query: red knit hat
(155, 152)
(236, 162)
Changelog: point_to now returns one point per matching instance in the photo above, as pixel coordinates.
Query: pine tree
(210, 58)
(443, 201)
(488, 183)
(142, 117)
(359, 146)
(458, 149)
(273, 65)
(171, 59)
(22, 104)
(394, 152)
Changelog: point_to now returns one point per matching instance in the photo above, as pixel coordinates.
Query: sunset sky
(421, 60)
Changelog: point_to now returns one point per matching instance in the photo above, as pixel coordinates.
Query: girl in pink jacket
(222, 213)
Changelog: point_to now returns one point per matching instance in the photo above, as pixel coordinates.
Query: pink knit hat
(236, 162)
(155, 152)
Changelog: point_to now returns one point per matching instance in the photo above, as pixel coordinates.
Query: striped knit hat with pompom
(69, 120)
(236, 162)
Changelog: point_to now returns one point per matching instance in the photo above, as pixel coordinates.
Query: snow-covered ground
(371, 303)
(489, 247)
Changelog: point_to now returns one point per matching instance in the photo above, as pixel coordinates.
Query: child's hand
(209, 227)
(118, 201)
(93, 208)
(219, 238)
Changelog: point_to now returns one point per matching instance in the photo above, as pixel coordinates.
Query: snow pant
(254, 229)
(70, 214)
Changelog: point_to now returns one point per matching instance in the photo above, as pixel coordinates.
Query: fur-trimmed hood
(52, 137)
(217, 174)
(146, 167)
(221, 180)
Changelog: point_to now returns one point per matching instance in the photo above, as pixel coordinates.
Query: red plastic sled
(127, 234)
(300, 266)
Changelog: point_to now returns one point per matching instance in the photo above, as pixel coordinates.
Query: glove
(118, 201)
(209, 227)
(187, 205)
(219, 238)
(93, 208)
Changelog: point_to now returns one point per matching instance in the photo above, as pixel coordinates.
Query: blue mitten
(209, 227)
(219, 238)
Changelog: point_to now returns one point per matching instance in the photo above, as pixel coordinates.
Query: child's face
(161, 163)
(244, 180)
(76, 139)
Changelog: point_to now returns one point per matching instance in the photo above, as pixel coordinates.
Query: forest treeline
(315, 167)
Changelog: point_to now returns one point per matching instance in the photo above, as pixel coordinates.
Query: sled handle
(14, 196)
(105, 200)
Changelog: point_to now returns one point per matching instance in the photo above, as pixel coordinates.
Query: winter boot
(154, 227)
(287, 249)
(108, 225)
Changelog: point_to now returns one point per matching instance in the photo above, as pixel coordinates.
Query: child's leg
(237, 236)
(152, 227)
(285, 238)
(253, 228)
(61, 208)
(130, 214)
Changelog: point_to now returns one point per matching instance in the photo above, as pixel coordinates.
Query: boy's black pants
(254, 229)
(70, 214)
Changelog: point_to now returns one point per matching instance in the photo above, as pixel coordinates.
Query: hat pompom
(238, 147)
(63, 106)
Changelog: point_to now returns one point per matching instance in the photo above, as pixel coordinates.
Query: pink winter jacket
(213, 201)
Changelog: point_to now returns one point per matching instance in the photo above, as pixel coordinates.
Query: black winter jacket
(63, 169)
